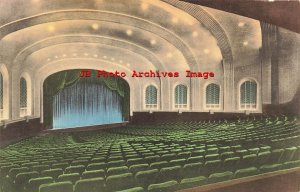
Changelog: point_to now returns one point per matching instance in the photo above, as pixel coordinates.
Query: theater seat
(145, 178)
(92, 174)
(165, 187)
(90, 185)
(75, 169)
(54, 173)
(72, 177)
(34, 183)
(117, 170)
(246, 172)
(269, 168)
(96, 166)
(139, 167)
(120, 182)
(170, 173)
(191, 170)
(193, 182)
(135, 189)
(159, 165)
(230, 164)
(217, 177)
(57, 187)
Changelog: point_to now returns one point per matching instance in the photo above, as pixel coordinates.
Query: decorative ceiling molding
(98, 15)
(88, 39)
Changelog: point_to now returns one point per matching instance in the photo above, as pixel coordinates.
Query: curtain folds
(61, 80)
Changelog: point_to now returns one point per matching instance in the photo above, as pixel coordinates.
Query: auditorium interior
(65, 127)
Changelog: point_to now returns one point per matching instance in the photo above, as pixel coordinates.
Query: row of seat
(187, 150)
(147, 180)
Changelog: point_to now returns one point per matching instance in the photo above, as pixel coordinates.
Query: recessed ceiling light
(169, 55)
(112, 59)
(144, 6)
(129, 32)
(206, 51)
(64, 55)
(51, 28)
(48, 59)
(153, 41)
(175, 20)
(86, 54)
(95, 26)
(120, 61)
(241, 24)
(104, 57)
(195, 34)
(74, 54)
(95, 55)
(56, 57)
(128, 64)
(245, 43)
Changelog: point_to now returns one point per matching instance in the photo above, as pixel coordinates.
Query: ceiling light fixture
(169, 55)
(144, 6)
(51, 28)
(195, 34)
(153, 42)
(95, 26)
(175, 20)
(129, 32)
(206, 51)
(241, 24)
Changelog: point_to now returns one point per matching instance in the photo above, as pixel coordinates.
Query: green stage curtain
(61, 80)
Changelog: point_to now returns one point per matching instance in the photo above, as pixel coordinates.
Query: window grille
(23, 97)
(248, 95)
(213, 96)
(180, 97)
(151, 97)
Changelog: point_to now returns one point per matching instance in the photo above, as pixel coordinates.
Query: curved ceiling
(140, 35)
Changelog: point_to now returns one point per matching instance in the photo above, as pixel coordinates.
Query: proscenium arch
(140, 51)
(56, 66)
(86, 14)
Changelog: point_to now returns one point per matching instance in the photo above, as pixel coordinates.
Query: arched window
(248, 95)
(23, 97)
(213, 96)
(1, 97)
(151, 97)
(181, 96)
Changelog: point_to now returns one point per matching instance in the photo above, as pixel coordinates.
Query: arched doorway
(70, 101)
